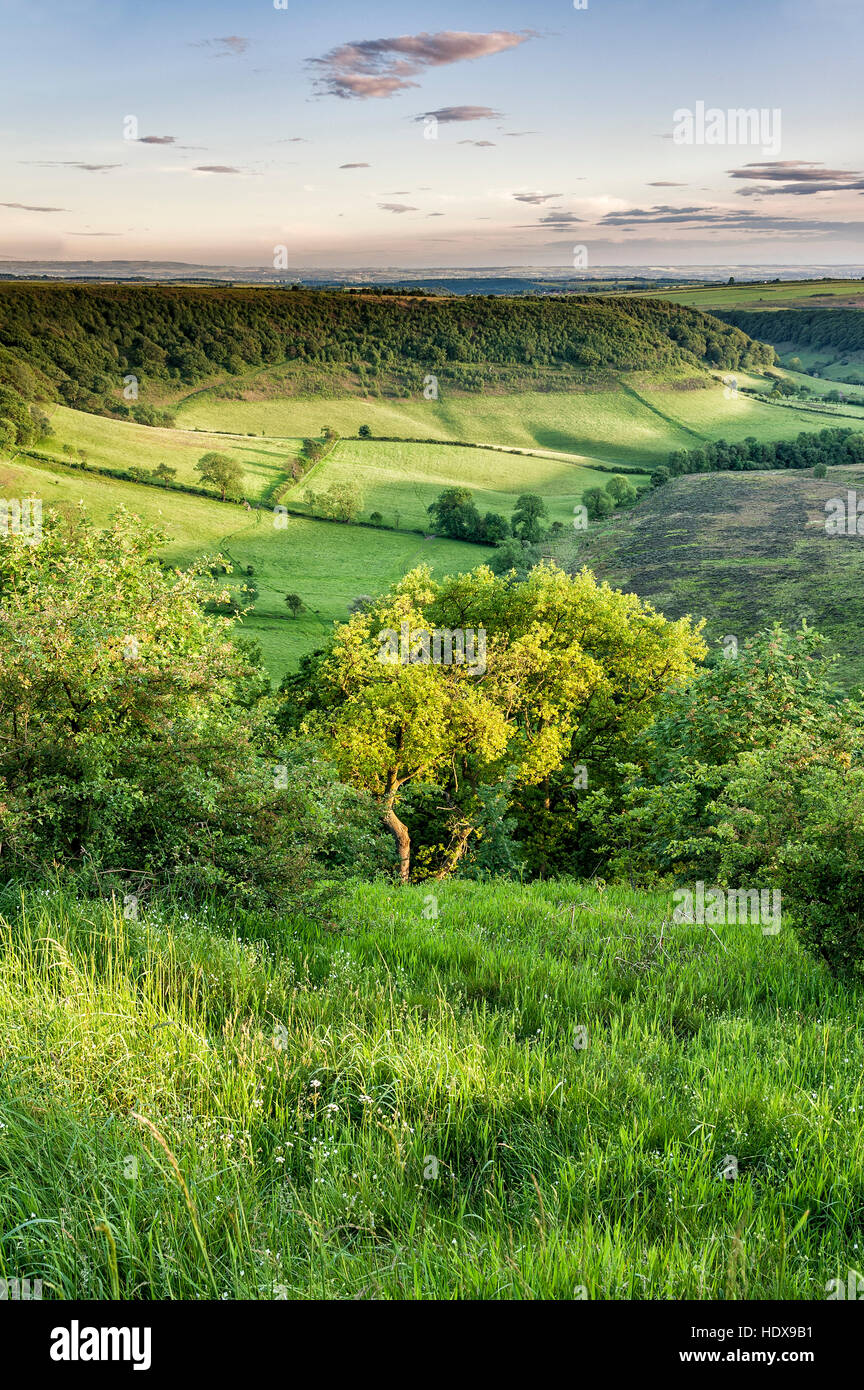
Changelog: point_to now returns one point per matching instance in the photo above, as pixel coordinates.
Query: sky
(524, 132)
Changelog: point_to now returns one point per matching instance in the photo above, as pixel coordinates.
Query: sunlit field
(533, 1095)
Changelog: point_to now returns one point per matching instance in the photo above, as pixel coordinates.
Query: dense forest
(77, 343)
(841, 329)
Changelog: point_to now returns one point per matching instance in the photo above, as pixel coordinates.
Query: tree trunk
(455, 850)
(402, 838)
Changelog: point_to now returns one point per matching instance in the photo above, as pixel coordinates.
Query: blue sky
(555, 129)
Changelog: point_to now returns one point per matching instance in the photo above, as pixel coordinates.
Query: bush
(621, 490)
(597, 503)
(793, 816)
(136, 738)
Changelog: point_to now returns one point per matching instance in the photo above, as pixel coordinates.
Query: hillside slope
(826, 342)
(742, 550)
(81, 341)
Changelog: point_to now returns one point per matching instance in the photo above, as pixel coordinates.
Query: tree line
(808, 450)
(79, 342)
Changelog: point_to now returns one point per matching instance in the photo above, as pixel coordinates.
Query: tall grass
(391, 1105)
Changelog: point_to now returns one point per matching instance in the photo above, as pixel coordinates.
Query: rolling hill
(742, 550)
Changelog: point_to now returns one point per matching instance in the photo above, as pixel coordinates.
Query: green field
(427, 1127)
(514, 1086)
(327, 563)
(121, 444)
(845, 369)
(853, 391)
(400, 480)
(636, 425)
(562, 435)
(803, 294)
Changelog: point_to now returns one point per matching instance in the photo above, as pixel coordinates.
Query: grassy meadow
(327, 563)
(400, 480)
(387, 1105)
(795, 294)
(120, 444)
(450, 1089)
(636, 425)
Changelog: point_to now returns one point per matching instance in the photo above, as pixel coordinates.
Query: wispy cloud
(355, 166)
(379, 67)
(696, 219)
(157, 140)
(70, 164)
(219, 169)
(25, 207)
(449, 115)
(537, 199)
(232, 45)
(561, 219)
(798, 178)
(481, 144)
(396, 207)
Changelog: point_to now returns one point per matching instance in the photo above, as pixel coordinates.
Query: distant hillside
(824, 340)
(77, 343)
(742, 550)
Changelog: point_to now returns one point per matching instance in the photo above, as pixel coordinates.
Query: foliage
(80, 341)
(792, 816)
(563, 657)
(668, 814)
(528, 516)
(453, 514)
(621, 490)
(341, 502)
(222, 471)
(136, 737)
(829, 446)
(597, 503)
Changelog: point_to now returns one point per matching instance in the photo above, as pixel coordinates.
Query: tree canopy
(561, 654)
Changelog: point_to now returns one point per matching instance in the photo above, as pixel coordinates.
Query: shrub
(597, 503)
(135, 736)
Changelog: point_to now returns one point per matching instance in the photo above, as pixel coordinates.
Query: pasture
(328, 564)
(111, 443)
(792, 294)
(742, 550)
(400, 480)
(525, 1097)
(636, 425)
